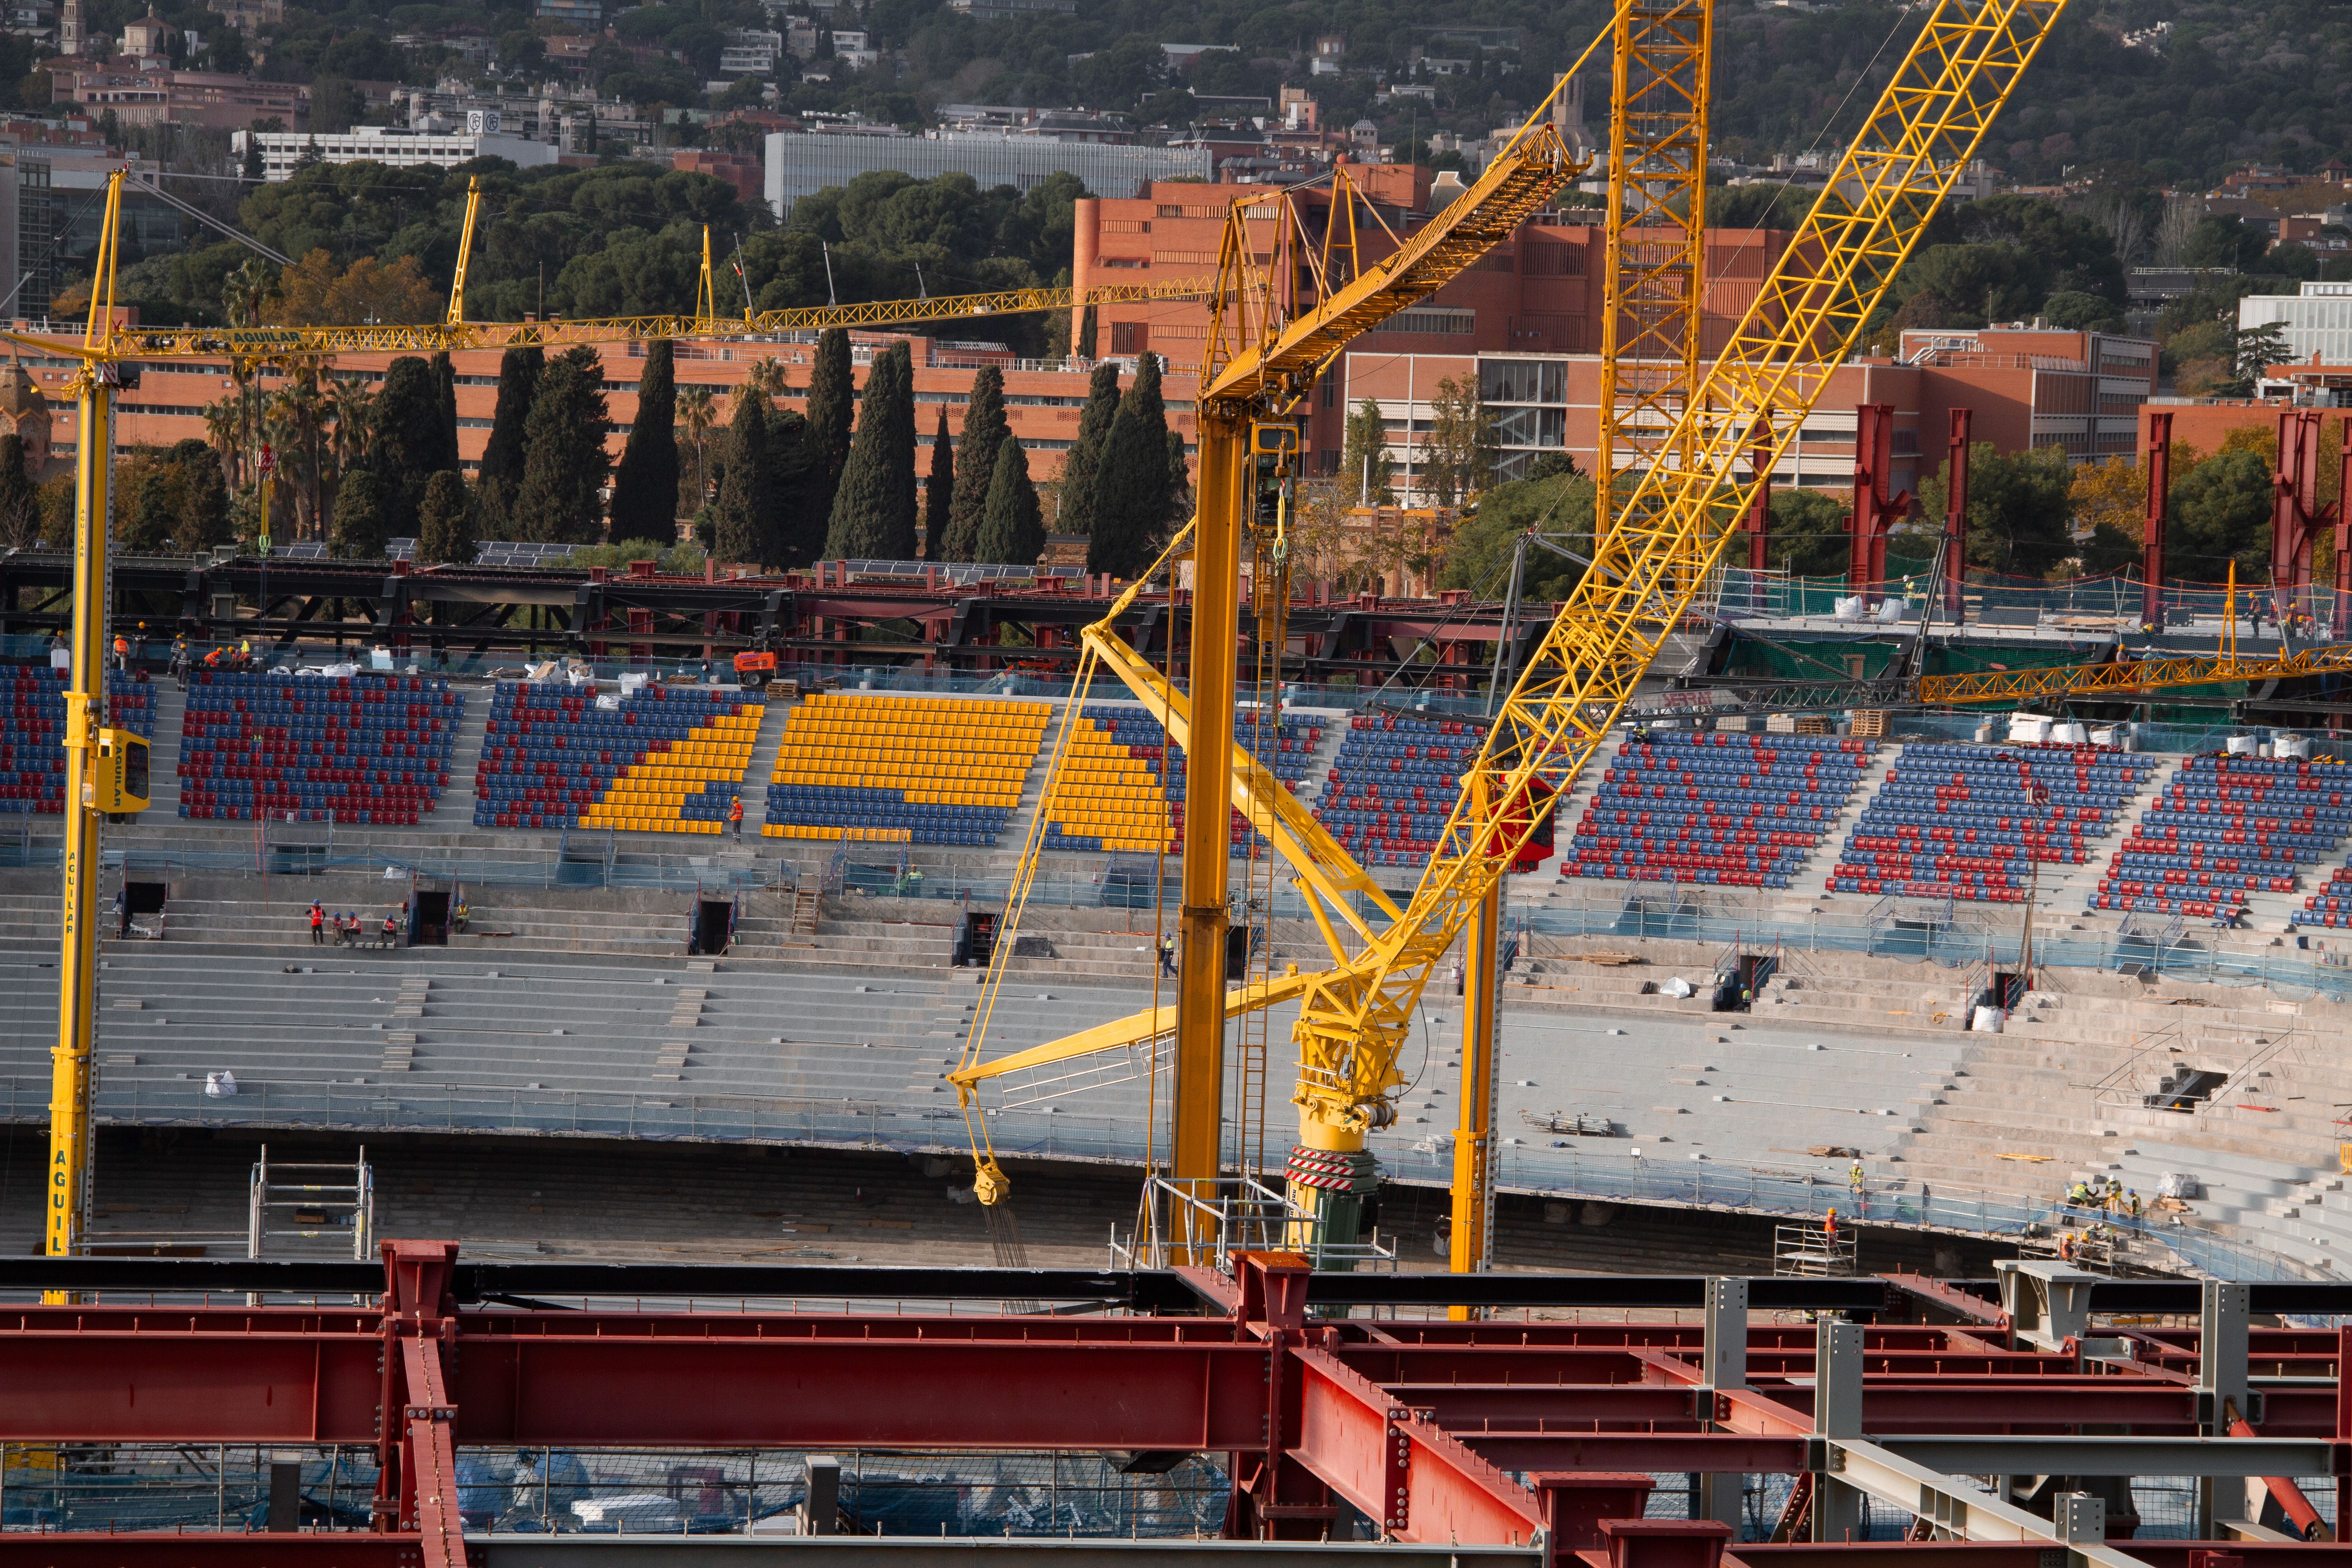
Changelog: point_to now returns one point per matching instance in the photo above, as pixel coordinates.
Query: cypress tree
(874, 510)
(1180, 483)
(1013, 529)
(1076, 513)
(445, 377)
(1131, 501)
(984, 430)
(832, 402)
(938, 491)
(739, 530)
(409, 436)
(645, 489)
(501, 472)
(565, 461)
(360, 527)
(800, 498)
(444, 522)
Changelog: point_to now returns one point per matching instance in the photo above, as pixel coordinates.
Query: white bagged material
(1987, 1021)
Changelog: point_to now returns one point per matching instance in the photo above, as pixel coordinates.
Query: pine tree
(204, 498)
(1131, 502)
(501, 472)
(645, 489)
(832, 403)
(938, 491)
(407, 446)
(444, 522)
(565, 461)
(359, 527)
(874, 510)
(445, 377)
(1075, 514)
(984, 429)
(741, 517)
(1013, 528)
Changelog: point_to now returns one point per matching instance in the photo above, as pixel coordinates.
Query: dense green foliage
(444, 522)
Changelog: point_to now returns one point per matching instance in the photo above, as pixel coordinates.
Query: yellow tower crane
(1654, 288)
(106, 769)
(1920, 135)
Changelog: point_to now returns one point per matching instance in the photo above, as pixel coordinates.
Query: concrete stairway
(454, 812)
(163, 751)
(762, 766)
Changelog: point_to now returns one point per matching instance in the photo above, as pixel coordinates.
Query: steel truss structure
(1539, 1436)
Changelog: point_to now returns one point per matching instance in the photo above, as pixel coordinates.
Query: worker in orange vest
(1829, 1222)
(735, 817)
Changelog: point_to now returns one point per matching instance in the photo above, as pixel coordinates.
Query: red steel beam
(1416, 1481)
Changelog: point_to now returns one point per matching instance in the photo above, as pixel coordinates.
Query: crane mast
(1656, 235)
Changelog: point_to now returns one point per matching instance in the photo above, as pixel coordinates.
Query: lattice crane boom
(1923, 130)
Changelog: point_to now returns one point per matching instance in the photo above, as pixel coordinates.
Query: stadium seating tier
(1974, 822)
(1737, 810)
(655, 759)
(365, 749)
(902, 770)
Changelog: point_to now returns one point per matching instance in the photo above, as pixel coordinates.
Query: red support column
(2158, 461)
(1874, 511)
(1956, 514)
(2295, 513)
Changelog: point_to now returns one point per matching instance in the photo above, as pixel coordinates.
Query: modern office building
(803, 163)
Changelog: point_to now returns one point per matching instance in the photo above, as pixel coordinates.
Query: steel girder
(1499, 1434)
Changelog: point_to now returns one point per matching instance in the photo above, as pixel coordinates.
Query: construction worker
(2131, 1205)
(390, 928)
(735, 817)
(1168, 953)
(121, 653)
(1829, 1224)
(318, 925)
(1853, 1176)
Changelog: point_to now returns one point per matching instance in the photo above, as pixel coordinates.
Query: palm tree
(768, 375)
(351, 407)
(301, 411)
(696, 413)
(221, 430)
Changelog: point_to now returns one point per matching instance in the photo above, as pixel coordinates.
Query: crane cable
(989, 1183)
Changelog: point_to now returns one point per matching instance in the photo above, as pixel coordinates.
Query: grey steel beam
(2094, 1455)
(1959, 1511)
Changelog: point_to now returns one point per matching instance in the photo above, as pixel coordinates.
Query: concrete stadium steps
(773, 719)
(171, 702)
(454, 812)
(2027, 1092)
(598, 1023)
